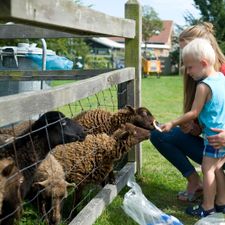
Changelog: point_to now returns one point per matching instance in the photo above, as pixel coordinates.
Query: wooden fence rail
(65, 19)
(65, 16)
(18, 107)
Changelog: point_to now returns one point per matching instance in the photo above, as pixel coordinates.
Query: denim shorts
(213, 153)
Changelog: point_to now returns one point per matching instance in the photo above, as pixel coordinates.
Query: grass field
(160, 181)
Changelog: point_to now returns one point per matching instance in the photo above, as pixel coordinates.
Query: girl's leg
(176, 147)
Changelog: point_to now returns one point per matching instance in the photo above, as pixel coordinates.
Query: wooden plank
(17, 31)
(14, 31)
(21, 106)
(95, 207)
(30, 75)
(65, 16)
(133, 46)
(133, 57)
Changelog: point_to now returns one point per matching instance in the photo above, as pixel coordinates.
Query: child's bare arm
(201, 96)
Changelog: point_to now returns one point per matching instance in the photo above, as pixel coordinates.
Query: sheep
(99, 121)
(10, 182)
(17, 129)
(6, 138)
(28, 149)
(91, 161)
(50, 180)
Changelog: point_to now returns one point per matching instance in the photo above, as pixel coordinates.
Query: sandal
(197, 210)
(220, 208)
(189, 197)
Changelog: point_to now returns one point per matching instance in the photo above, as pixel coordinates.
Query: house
(107, 50)
(161, 43)
(158, 45)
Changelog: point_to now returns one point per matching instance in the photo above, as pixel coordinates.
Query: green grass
(160, 181)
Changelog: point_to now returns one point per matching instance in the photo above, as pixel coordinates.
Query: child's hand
(166, 127)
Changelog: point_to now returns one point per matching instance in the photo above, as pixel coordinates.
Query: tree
(151, 24)
(214, 12)
(211, 11)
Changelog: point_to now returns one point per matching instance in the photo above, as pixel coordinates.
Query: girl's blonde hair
(202, 30)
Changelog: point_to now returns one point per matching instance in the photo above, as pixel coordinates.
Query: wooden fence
(64, 19)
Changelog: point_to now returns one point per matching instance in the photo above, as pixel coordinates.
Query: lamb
(10, 182)
(99, 121)
(50, 181)
(91, 161)
(29, 149)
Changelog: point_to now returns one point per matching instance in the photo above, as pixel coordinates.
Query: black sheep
(32, 146)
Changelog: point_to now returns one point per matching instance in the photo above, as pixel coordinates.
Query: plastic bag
(140, 209)
(53, 62)
(215, 219)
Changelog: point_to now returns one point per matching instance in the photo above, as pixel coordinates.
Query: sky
(166, 9)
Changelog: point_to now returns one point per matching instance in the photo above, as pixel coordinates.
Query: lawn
(160, 181)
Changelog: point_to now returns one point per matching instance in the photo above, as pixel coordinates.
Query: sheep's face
(131, 134)
(6, 167)
(8, 175)
(144, 118)
(53, 193)
(60, 129)
(68, 131)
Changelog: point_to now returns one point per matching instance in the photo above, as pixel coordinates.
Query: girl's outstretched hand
(166, 127)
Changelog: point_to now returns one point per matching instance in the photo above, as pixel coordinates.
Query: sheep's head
(9, 175)
(6, 167)
(53, 191)
(60, 128)
(130, 135)
(142, 117)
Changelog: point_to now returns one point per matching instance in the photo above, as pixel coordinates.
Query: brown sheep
(91, 161)
(99, 121)
(28, 149)
(50, 181)
(10, 182)
(17, 129)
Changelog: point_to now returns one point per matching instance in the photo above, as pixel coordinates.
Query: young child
(209, 107)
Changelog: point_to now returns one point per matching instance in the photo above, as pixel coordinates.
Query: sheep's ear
(8, 169)
(70, 184)
(124, 135)
(41, 183)
(130, 108)
(21, 180)
(144, 113)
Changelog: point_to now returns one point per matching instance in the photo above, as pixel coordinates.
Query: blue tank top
(213, 112)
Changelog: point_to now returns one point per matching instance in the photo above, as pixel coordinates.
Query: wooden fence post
(133, 59)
